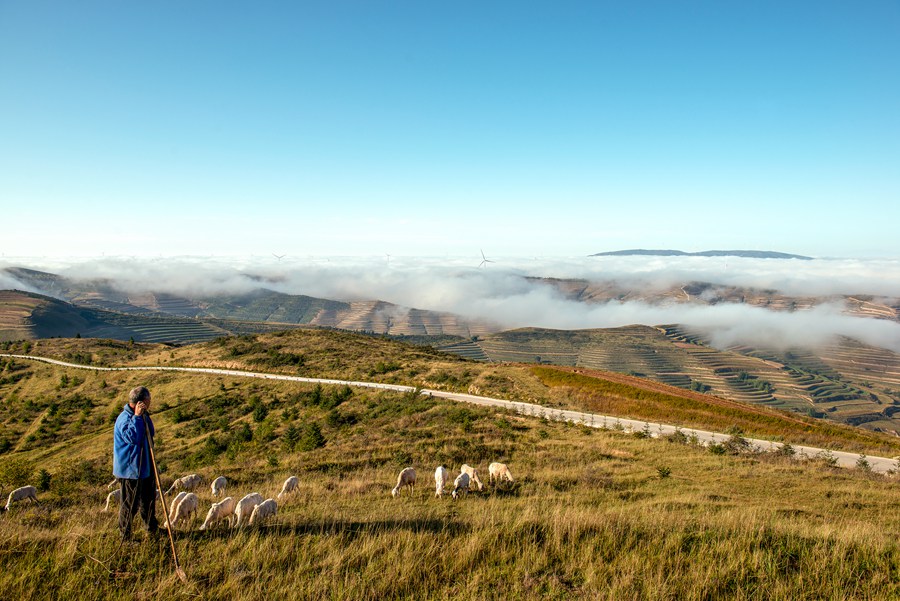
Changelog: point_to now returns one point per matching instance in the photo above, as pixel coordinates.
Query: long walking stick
(178, 571)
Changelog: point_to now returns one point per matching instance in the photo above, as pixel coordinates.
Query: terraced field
(847, 382)
(16, 314)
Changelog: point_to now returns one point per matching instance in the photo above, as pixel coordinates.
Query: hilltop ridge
(749, 254)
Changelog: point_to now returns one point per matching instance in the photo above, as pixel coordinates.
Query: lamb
(114, 496)
(20, 494)
(440, 480)
(500, 472)
(189, 482)
(185, 509)
(264, 510)
(473, 475)
(219, 512)
(407, 477)
(245, 507)
(289, 486)
(461, 485)
(218, 486)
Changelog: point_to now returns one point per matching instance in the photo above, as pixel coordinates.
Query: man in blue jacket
(131, 463)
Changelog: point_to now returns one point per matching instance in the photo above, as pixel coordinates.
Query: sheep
(440, 480)
(218, 486)
(20, 494)
(264, 510)
(221, 511)
(245, 507)
(407, 477)
(473, 475)
(185, 509)
(461, 485)
(499, 471)
(114, 496)
(289, 486)
(175, 503)
(189, 482)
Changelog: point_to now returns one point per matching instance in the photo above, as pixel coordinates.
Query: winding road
(843, 459)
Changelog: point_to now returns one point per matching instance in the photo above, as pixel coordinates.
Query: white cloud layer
(500, 293)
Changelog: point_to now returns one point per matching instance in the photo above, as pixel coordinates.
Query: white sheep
(407, 477)
(189, 482)
(219, 512)
(289, 486)
(114, 496)
(245, 507)
(20, 494)
(174, 506)
(187, 508)
(218, 486)
(473, 475)
(441, 476)
(461, 485)
(263, 511)
(499, 471)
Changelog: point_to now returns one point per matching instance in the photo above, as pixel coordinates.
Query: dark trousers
(138, 495)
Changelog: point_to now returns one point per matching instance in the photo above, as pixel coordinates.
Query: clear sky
(426, 128)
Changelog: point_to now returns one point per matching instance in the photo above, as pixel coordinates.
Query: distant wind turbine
(484, 260)
(279, 257)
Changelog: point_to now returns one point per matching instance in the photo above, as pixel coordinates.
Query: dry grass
(593, 514)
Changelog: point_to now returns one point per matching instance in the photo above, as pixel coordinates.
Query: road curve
(843, 459)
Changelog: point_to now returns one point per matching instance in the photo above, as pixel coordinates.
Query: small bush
(43, 480)
(15, 473)
(663, 472)
(312, 438)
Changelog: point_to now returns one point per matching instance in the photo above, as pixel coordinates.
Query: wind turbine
(279, 257)
(484, 260)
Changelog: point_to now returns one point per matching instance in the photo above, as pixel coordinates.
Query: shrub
(291, 437)
(43, 480)
(663, 472)
(312, 438)
(16, 472)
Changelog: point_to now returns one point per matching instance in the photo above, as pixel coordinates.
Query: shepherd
(131, 463)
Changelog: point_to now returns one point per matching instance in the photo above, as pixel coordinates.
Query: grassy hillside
(593, 514)
(845, 382)
(349, 356)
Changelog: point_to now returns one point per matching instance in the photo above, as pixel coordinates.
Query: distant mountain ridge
(750, 254)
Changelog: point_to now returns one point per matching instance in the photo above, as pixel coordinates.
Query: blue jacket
(131, 451)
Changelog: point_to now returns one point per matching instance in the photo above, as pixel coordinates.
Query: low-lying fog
(499, 291)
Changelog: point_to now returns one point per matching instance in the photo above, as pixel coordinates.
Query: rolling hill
(592, 514)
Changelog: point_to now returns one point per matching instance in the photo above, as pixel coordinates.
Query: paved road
(878, 464)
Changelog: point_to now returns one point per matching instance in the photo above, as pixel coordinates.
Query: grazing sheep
(441, 476)
(187, 508)
(263, 511)
(219, 512)
(407, 477)
(498, 471)
(114, 496)
(20, 494)
(461, 485)
(473, 475)
(290, 485)
(245, 507)
(218, 486)
(189, 482)
(174, 504)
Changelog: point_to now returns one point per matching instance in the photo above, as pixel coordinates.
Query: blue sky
(429, 129)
